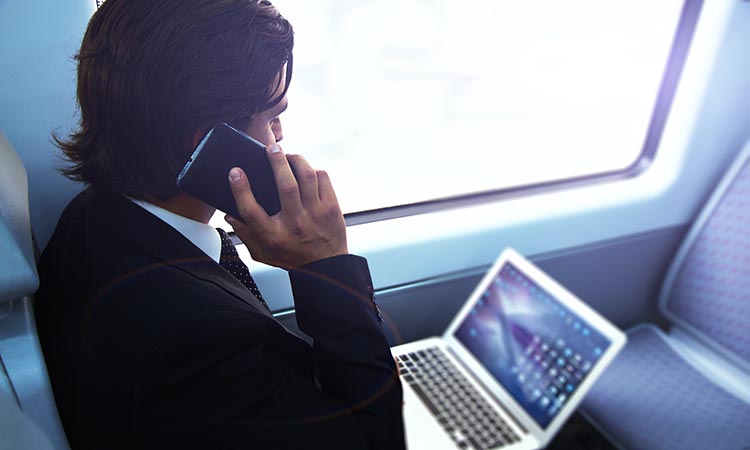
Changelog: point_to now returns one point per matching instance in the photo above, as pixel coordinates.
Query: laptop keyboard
(462, 412)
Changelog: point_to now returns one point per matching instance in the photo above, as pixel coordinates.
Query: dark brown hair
(153, 73)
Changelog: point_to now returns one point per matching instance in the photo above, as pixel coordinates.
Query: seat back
(707, 289)
(28, 414)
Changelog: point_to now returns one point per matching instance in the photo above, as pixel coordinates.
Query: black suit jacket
(150, 344)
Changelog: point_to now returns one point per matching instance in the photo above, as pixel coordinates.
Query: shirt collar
(203, 236)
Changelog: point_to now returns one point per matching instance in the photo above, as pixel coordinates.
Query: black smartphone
(205, 175)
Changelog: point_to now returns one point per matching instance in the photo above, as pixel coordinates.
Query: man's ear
(198, 136)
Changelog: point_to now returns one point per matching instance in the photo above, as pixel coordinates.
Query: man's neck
(186, 206)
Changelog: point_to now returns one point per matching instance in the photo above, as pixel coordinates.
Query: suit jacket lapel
(165, 243)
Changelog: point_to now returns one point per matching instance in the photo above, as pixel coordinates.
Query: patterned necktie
(231, 261)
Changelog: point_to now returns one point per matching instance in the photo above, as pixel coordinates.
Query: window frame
(678, 52)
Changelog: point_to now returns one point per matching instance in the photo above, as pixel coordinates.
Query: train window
(410, 103)
(407, 101)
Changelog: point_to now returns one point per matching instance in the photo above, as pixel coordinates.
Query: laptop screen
(537, 348)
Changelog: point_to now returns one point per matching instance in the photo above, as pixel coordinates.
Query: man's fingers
(285, 181)
(325, 188)
(307, 180)
(250, 210)
(238, 226)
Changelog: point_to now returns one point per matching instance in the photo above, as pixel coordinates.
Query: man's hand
(309, 226)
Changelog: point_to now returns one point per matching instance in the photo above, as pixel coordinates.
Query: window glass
(403, 101)
(407, 101)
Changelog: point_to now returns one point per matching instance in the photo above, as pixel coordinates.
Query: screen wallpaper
(537, 348)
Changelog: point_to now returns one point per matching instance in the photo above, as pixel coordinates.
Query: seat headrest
(18, 276)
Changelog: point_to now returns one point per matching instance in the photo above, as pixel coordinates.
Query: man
(150, 342)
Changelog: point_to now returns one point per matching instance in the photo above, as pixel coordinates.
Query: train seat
(28, 414)
(690, 387)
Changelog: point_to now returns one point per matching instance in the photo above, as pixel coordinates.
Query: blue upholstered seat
(28, 414)
(690, 388)
(652, 398)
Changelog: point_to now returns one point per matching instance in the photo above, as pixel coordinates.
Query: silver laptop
(510, 369)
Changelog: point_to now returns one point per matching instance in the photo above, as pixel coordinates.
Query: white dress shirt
(203, 236)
